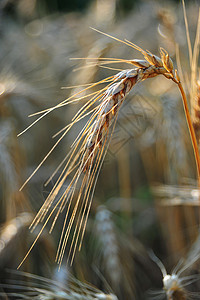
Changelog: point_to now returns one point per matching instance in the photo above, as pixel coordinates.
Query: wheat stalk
(87, 153)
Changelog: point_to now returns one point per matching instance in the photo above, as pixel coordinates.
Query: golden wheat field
(99, 149)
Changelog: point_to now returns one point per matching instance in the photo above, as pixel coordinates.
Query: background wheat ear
(196, 109)
(38, 287)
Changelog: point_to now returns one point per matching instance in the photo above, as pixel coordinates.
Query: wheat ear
(89, 149)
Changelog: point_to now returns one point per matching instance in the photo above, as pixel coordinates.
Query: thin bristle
(118, 40)
(99, 64)
(64, 102)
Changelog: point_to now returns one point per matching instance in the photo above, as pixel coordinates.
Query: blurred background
(146, 196)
